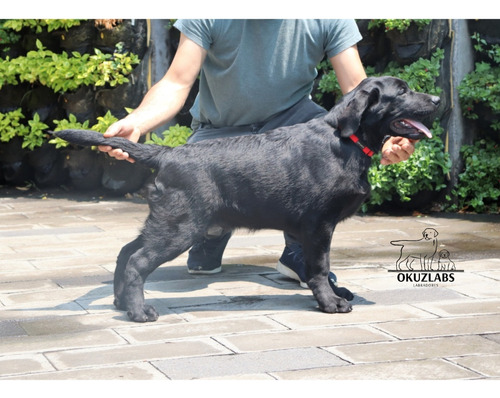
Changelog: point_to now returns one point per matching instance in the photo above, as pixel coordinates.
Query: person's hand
(397, 149)
(125, 129)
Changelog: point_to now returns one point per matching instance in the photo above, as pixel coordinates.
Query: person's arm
(350, 72)
(164, 100)
(348, 69)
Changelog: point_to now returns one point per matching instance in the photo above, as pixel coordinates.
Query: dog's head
(429, 233)
(381, 106)
(444, 254)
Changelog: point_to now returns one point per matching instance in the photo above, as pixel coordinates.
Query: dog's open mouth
(410, 129)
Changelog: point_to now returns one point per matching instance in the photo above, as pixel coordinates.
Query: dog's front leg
(317, 258)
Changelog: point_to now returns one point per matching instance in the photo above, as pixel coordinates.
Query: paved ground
(57, 320)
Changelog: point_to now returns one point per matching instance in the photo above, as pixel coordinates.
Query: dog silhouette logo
(435, 266)
(423, 250)
(444, 262)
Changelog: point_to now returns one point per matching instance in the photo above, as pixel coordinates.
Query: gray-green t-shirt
(255, 69)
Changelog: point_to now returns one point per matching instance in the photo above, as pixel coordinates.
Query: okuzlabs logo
(435, 267)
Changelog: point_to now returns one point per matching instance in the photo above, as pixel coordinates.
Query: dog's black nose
(435, 100)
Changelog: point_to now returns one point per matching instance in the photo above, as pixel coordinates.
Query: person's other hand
(397, 149)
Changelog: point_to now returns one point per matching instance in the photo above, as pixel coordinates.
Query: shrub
(425, 170)
(482, 86)
(62, 72)
(67, 124)
(478, 187)
(39, 24)
(397, 24)
(174, 136)
(11, 125)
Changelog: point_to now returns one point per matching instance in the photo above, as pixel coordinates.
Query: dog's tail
(148, 155)
(399, 242)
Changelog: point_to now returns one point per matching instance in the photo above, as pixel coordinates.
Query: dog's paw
(341, 306)
(146, 314)
(344, 306)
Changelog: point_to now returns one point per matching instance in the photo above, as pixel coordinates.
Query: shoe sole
(204, 271)
(284, 270)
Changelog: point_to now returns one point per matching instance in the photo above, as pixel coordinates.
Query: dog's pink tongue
(419, 126)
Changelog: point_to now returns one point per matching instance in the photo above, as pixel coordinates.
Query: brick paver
(57, 320)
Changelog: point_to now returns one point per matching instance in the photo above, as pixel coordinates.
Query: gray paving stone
(49, 231)
(135, 371)
(24, 364)
(47, 309)
(250, 306)
(303, 338)
(416, 349)
(11, 328)
(20, 286)
(238, 364)
(33, 344)
(442, 327)
(409, 295)
(493, 337)
(464, 306)
(477, 286)
(427, 369)
(486, 365)
(151, 333)
(133, 353)
(361, 314)
(36, 298)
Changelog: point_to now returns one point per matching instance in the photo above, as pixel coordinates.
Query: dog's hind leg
(163, 239)
(121, 262)
(139, 266)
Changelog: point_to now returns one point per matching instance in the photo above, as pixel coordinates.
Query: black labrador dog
(301, 179)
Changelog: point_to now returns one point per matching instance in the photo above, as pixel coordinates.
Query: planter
(415, 42)
(120, 177)
(81, 103)
(29, 38)
(78, 38)
(131, 33)
(14, 162)
(84, 168)
(44, 101)
(127, 95)
(48, 166)
(421, 201)
(374, 48)
(11, 97)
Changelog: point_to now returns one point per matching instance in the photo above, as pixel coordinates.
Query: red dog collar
(367, 151)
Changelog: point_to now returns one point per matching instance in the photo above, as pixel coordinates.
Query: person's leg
(292, 265)
(205, 257)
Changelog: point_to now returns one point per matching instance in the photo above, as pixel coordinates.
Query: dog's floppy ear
(350, 117)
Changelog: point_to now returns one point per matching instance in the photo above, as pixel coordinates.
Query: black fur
(302, 179)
